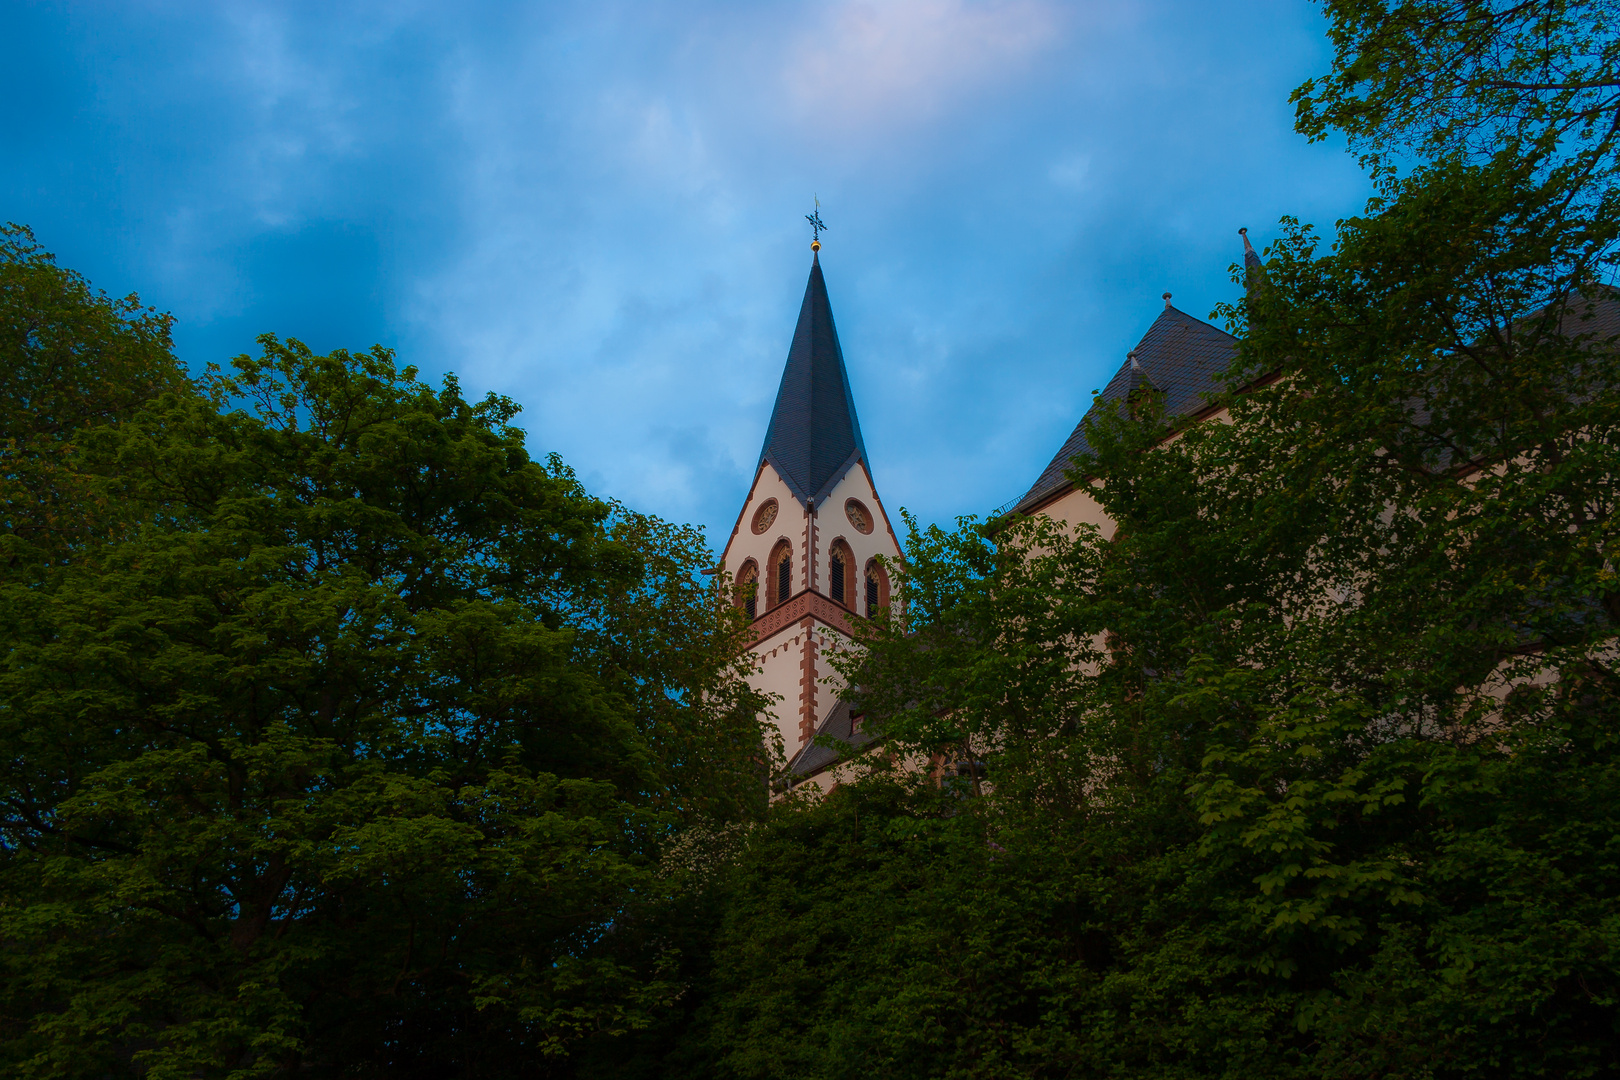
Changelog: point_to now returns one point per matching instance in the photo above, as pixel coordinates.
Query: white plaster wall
(833, 524)
(1079, 506)
(791, 518)
(830, 524)
(829, 684)
(778, 672)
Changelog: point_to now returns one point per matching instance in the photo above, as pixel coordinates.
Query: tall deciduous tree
(354, 749)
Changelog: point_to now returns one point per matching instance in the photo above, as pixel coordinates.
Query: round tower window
(858, 516)
(764, 516)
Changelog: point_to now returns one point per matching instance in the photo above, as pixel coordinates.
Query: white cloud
(876, 65)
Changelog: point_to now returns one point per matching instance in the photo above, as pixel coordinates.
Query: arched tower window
(877, 587)
(841, 574)
(780, 582)
(748, 588)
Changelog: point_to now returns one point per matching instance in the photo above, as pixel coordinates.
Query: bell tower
(804, 552)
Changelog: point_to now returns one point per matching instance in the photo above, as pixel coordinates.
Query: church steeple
(814, 437)
(811, 547)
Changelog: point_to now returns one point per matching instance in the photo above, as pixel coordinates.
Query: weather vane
(816, 226)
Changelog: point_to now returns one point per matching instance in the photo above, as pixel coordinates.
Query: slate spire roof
(814, 437)
(1180, 357)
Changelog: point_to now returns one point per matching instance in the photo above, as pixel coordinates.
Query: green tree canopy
(355, 748)
(1472, 79)
(70, 358)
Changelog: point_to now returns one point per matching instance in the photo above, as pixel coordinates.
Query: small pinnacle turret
(1251, 259)
(1138, 379)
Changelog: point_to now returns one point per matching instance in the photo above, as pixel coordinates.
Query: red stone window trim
(842, 585)
(748, 588)
(859, 516)
(875, 588)
(776, 576)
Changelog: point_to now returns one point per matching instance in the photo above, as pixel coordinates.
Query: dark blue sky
(596, 208)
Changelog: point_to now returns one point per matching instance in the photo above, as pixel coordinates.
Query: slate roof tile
(1180, 356)
(814, 437)
(1184, 357)
(840, 724)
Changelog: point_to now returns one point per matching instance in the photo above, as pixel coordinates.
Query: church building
(804, 553)
(806, 548)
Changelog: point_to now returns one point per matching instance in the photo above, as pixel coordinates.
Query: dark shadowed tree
(71, 358)
(355, 748)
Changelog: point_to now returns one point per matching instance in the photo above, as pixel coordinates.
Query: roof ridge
(1168, 310)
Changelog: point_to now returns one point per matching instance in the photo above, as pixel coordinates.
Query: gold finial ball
(815, 245)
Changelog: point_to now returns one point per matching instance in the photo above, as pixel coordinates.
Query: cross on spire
(816, 226)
